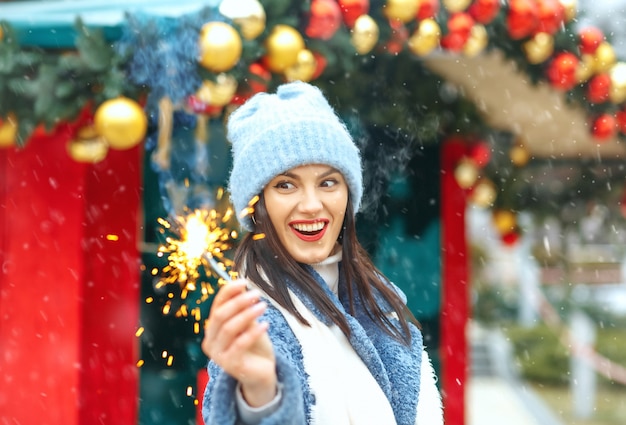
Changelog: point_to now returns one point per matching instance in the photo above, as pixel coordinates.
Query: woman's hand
(239, 344)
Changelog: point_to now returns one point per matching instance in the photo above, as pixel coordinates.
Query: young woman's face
(307, 205)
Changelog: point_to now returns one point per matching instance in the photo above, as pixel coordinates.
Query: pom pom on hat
(273, 133)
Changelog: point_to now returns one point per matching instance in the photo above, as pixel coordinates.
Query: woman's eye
(284, 185)
(329, 183)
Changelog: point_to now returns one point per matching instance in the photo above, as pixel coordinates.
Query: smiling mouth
(309, 232)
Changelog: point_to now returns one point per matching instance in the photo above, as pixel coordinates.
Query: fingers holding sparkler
(236, 341)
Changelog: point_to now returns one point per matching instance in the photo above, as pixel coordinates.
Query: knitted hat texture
(272, 133)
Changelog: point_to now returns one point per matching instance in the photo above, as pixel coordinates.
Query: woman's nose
(310, 202)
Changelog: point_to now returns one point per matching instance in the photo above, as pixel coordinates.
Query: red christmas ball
(598, 88)
(427, 9)
(459, 29)
(522, 18)
(604, 127)
(620, 120)
(320, 65)
(511, 238)
(480, 154)
(259, 79)
(561, 71)
(551, 15)
(484, 11)
(589, 40)
(324, 19)
(352, 9)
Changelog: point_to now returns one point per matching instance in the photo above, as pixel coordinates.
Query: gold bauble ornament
(617, 92)
(249, 15)
(283, 45)
(505, 221)
(121, 122)
(220, 46)
(402, 10)
(304, 68)
(364, 34)
(519, 155)
(477, 41)
(604, 58)
(219, 92)
(466, 173)
(539, 48)
(571, 9)
(426, 37)
(585, 68)
(454, 6)
(87, 147)
(8, 131)
(484, 194)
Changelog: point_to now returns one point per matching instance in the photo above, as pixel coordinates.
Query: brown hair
(270, 256)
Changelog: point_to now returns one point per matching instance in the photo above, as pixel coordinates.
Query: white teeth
(313, 227)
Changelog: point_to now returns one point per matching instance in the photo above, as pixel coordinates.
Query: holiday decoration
(426, 37)
(505, 221)
(590, 39)
(510, 239)
(283, 45)
(427, 9)
(571, 9)
(121, 122)
(617, 77)
(550, 16)
(304, 68)
(484, 194)
(454, 6)
(603, 127)
(459, 29)
(539, 48)
(364, 34)
(219, 92)
(519, 155)
(598, 88)
(561, 71)
(87, 146)
(249, 15)
(585, 68)
(220, 46)
(324, 19)
(604, 58)
(466, 173)
(351, 10)
(477, 41)
(484, 11)
(620, 120)
(480, 154)
(402, 10)
(522, 18)
(8, 131)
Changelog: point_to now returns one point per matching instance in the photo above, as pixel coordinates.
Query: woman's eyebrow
(322, 175)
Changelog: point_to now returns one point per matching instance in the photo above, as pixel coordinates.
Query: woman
(313, 334)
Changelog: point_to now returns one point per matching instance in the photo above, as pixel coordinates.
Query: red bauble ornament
(324, 19)
(598, 88)
(551, 14)
(620, 120)
(561, 71)
(480, 154)
(522, 18)
(604, 127)
(352, 9)
(427, 9)
(459, 29)
(320, 65)
(511, 238)
(589, 40)
(484, 11)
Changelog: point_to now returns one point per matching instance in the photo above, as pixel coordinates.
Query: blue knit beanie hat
(273, 133)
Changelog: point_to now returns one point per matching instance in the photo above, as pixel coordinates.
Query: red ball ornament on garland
(484, 11)
(459, 30)
(324, 19)
(427, 9)
(522, 18)
(321, 62)
(551, 14)
(620, 120)
(352, 9)
(589, 40)
(480, 154)
(561, 71)
(604, 127)
(510, 239)
(598, 88)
